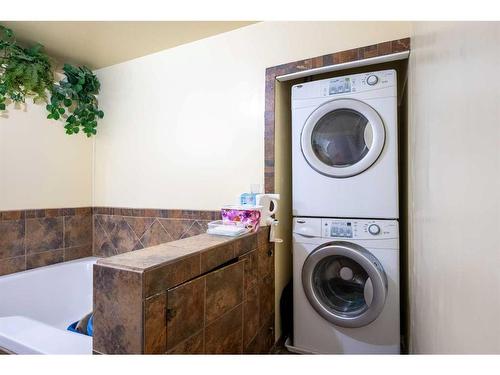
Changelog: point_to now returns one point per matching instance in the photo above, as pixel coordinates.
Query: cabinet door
(258, 317)
(185, 311)
(205, 315)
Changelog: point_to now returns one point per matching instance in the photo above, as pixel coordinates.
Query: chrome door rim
(371, 266)
(367, 161)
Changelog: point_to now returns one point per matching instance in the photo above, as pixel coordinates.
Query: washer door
(345, 284)
(342, 138)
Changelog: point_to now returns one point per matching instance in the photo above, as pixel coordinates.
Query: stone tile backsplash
(36, 238)
(119, 230)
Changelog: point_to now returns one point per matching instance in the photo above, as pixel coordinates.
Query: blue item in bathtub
(72, 327)
(84, 326)
(90, 326)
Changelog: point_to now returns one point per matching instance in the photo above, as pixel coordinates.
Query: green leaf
(28, 73)
(8, 33)
(36, 49)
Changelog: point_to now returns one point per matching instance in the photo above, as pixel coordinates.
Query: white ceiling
(104, 43)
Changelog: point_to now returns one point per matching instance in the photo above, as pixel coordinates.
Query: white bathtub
(38, 305)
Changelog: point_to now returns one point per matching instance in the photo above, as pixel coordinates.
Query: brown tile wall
(119, 230)
(36, 238)
(380, 49)
(197, 304)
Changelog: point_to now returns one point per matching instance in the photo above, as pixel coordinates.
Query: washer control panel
(359, 229)
(338, 228)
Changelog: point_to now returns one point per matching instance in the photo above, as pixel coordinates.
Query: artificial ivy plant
(24, 72)
(28, 72)
(77, 92)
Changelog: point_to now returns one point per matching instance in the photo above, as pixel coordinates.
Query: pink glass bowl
(247, 215)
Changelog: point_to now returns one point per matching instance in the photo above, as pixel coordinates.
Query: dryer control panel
(355, 83)
(359, 82)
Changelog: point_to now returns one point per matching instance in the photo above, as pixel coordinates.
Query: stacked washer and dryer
(345, 207)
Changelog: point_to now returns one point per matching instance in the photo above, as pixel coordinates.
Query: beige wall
(40, 166)
(184, 128)
(454, 178)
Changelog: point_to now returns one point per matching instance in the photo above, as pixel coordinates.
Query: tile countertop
(171, 252)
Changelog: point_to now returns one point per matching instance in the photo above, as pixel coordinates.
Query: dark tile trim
(355, 54)
(44, 212)
(159, 213)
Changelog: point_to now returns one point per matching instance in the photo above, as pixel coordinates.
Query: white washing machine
(346, 286)
(345, 147)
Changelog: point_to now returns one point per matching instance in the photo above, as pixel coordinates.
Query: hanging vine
(28, 73)
(77, 93)
(24, 72)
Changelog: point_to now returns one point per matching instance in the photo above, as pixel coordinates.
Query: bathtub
(38, 305)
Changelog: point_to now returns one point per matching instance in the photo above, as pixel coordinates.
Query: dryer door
(345, 284)
(342, 138)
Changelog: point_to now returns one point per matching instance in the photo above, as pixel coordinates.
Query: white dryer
(346, 286)
(345, 147)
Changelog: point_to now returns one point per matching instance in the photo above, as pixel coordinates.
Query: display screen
(341, 229)
(339, 85)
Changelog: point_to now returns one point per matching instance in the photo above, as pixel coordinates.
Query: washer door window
(345, 284)
(343, 138)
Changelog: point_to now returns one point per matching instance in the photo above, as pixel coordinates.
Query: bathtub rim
(56, 331)
(50, 266)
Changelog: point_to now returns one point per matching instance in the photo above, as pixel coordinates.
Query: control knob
(374, 229)
(372, 80)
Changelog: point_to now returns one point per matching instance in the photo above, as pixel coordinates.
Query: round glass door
(342, 138)
(345, 284)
